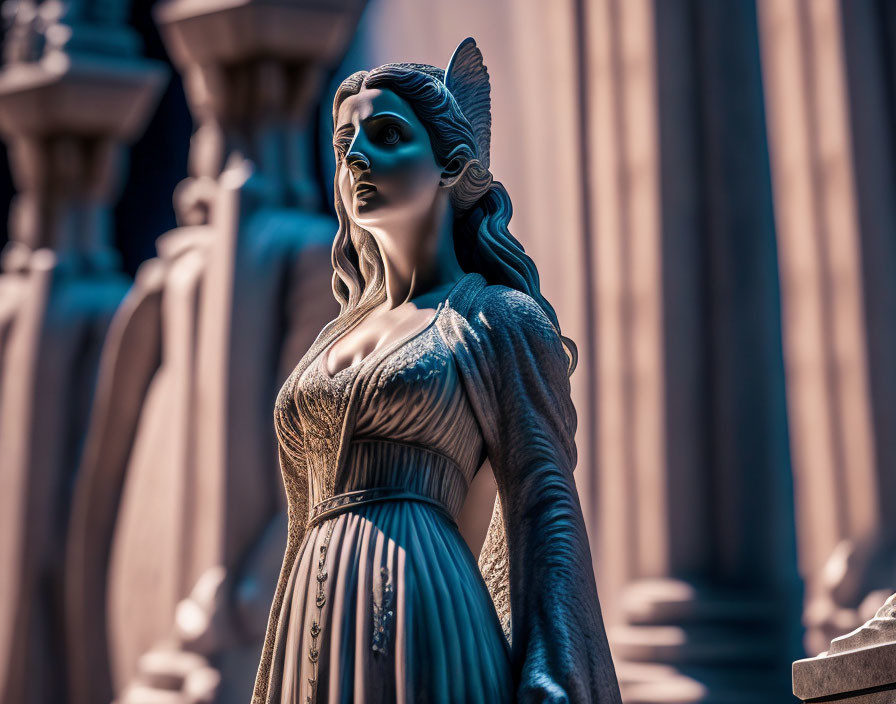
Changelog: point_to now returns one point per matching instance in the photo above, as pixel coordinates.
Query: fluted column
(696, 500)
(830, 127)
(73, 92)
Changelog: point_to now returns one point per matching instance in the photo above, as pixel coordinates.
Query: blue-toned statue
(445, 354)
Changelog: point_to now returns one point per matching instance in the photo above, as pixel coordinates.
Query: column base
(684, 644)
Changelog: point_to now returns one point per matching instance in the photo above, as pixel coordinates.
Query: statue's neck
(431, 263)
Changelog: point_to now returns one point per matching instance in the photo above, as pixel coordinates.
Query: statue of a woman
(444, 354)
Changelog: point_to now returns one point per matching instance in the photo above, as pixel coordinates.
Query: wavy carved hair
(482, 207)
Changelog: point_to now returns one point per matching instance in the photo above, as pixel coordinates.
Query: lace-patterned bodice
(413, 397)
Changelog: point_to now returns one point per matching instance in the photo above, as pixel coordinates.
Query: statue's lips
(363, 190)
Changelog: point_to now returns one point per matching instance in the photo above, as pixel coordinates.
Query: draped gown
(380, 598)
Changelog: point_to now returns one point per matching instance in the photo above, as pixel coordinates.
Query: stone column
(694, 465)
(832, 157)
(73, 92)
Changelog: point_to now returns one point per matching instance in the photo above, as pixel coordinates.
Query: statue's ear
(467, 79)
(451, 172)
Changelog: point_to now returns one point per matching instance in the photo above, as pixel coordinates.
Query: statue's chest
(380, 394)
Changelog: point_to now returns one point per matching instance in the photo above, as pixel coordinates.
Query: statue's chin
(374, 216)
(367, 209)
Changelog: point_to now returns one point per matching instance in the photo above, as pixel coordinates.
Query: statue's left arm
(517, 363)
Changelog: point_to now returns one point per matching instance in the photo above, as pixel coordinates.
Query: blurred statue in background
(178, 518)
(74, 93)
(444, 355)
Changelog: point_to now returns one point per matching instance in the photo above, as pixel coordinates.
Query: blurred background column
(179, 526)
(829, 85)
(692, 460)
(73, 91)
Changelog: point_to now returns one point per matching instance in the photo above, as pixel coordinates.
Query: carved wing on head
(467, 79)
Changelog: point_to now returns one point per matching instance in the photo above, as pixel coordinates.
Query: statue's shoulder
(499, 322)
(502, 307)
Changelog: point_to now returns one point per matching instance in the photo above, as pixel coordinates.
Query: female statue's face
(387, 173)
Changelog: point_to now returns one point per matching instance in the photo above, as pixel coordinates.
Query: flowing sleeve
(518, 367)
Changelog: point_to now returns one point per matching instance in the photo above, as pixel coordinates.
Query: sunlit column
(826, 354)
(692, 448)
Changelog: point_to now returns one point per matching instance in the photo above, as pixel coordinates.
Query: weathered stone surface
(859, 667)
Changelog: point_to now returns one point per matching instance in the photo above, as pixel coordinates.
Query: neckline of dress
(386, 350)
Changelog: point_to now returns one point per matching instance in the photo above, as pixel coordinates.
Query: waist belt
(340, 503)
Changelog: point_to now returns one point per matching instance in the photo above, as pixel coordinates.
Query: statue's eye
(390, 135)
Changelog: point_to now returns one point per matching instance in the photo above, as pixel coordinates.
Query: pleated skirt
(386, 604)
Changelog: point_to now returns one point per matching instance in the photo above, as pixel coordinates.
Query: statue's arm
(559, 646)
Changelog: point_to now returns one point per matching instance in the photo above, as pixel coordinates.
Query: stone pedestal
(859, 668)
